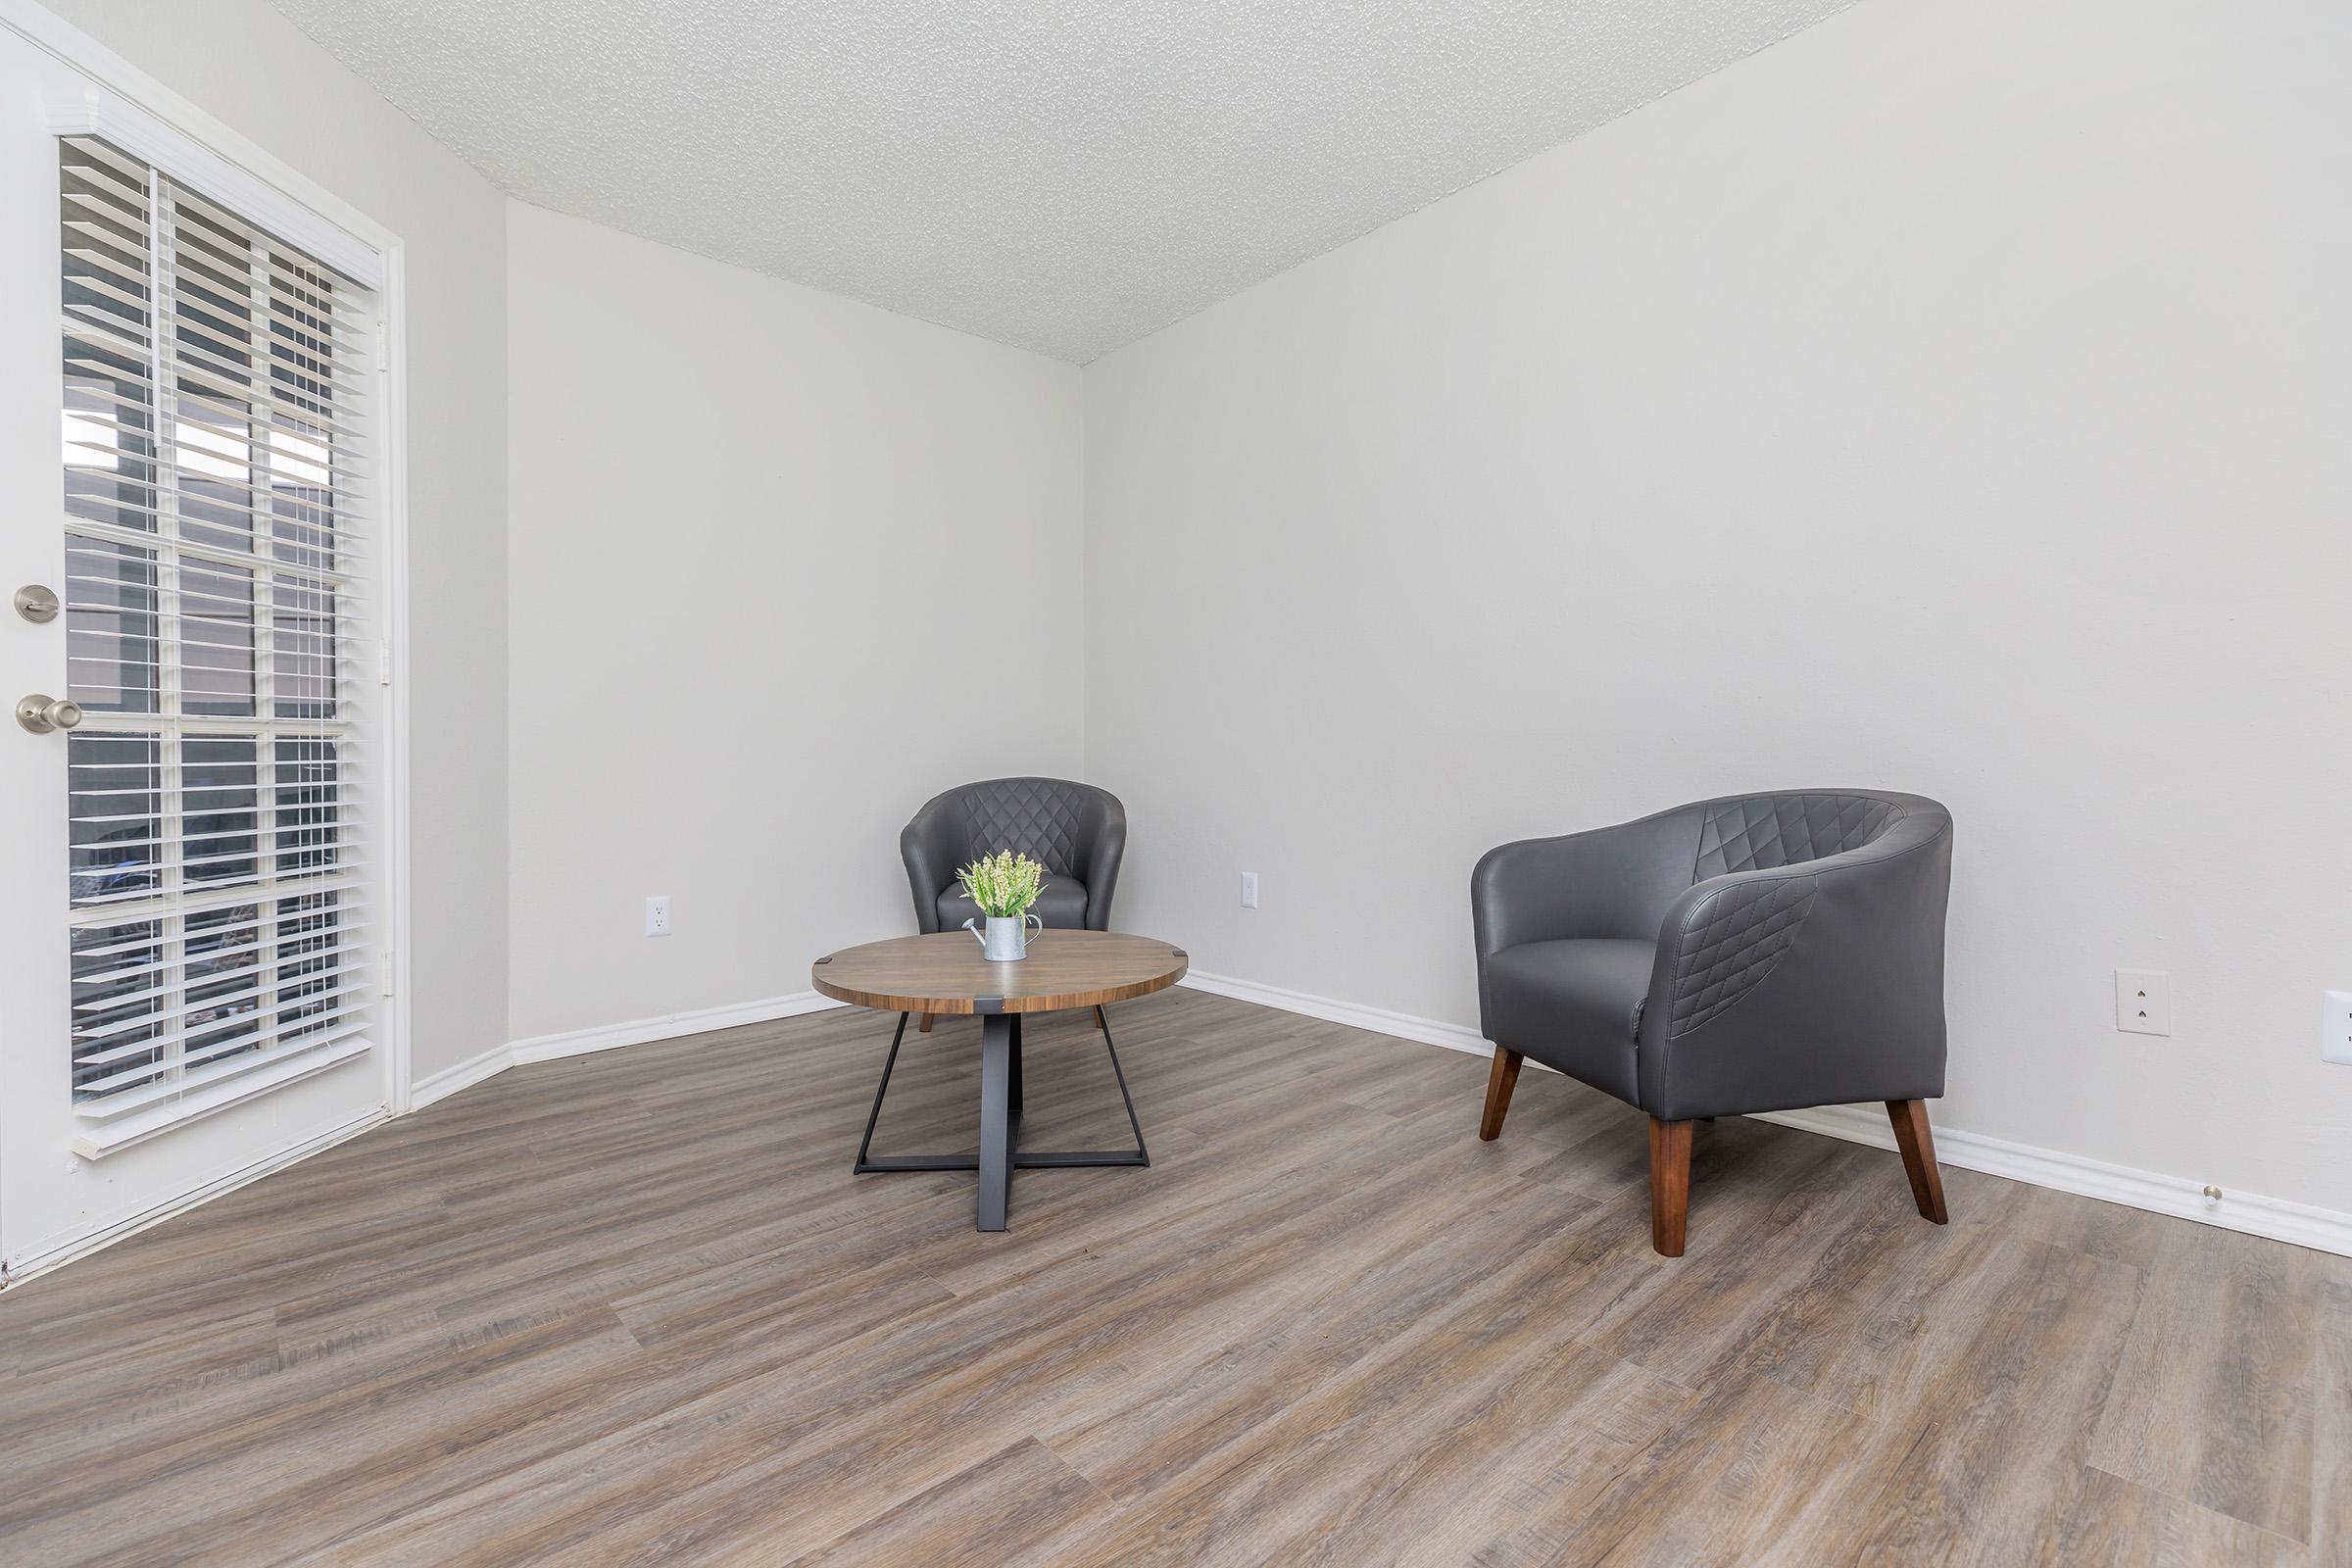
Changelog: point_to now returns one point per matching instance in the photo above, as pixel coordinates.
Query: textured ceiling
(1063, 174)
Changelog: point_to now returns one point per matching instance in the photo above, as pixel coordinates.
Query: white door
(190, 979)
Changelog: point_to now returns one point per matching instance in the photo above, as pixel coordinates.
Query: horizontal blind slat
(290, 1050)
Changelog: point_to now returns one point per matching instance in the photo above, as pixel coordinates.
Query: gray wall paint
(243, 61)
(1951, 399)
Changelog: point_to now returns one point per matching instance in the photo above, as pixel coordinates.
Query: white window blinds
(216, 413)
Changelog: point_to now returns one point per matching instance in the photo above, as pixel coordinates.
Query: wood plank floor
(634, 1307)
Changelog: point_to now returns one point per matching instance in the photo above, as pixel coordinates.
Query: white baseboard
(2303, 1224)
(464, 1075)
(2326, 1230)
(440, 1086)
(636, 1032)
(1378, 1020)
(21, 1269)
(668, 1026)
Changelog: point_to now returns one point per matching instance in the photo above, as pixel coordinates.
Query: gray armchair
(1751, 953)
(1075, 831)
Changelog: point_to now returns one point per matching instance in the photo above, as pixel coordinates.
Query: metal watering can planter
(1006, 882)
(1006, 936)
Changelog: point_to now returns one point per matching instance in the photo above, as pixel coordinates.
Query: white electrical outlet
(2143, 1002)
(2336, 1026)
(657, 914)
(1249, 890)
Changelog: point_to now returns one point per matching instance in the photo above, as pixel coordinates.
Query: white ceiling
(1063, 174)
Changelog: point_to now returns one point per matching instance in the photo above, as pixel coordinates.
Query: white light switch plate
(2336, 1026)
(2143, 1002)
(1249, 890)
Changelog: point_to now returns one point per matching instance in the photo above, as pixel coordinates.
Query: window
(215, 416)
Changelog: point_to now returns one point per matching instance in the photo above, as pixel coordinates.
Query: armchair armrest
(1814, 984)
(1611, 882)
(1098, 868)
(932, 846)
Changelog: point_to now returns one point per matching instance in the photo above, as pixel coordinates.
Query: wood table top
(943, 972)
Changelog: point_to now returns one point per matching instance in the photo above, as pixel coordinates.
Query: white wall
(1952, 398)
(246, 64)
(751, 523)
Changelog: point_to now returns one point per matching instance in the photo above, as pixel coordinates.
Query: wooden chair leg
(924, 1027)
(1500, 1081)
(1668, 1184)
(1910, 1118)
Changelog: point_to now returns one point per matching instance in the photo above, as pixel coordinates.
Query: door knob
(41, 715)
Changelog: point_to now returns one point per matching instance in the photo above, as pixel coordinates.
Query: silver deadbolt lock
(41, 715)
(36, 603)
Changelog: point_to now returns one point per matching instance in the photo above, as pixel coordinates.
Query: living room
(1636, 710)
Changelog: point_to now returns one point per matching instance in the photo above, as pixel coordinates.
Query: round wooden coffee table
(943, 973)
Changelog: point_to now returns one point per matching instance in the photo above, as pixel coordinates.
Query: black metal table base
(1000, 1121)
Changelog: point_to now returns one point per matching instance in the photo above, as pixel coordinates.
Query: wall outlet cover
(1249, 890)
(2143, 1002)
(657, 914)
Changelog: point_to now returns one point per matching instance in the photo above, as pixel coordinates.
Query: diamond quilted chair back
(1766, 831)
(1044, 819)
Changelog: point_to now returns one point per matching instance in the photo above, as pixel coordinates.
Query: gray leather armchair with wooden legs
(1075, 831)
(1748, 954)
